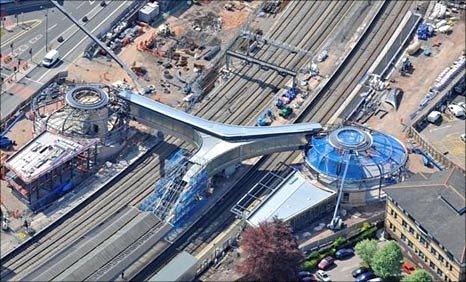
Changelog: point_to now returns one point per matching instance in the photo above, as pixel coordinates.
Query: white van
(434, 117)
(456, 110)
(50, 58)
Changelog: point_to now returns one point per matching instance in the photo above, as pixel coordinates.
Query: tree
(419, 275)
(366, 250)
(270, 253)
(387, 261)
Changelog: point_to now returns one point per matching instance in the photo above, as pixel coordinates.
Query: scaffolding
(174, 199)
(49, 166)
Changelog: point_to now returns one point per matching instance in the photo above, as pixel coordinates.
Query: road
(57, 25)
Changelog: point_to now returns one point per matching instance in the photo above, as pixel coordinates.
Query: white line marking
(52, 27)
(79, 6)
(91, 2)
(35, 81)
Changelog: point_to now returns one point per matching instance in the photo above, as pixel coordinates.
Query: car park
(326, 263)
(365, 277)
(323, 276)
(359, 271)
(344, 253)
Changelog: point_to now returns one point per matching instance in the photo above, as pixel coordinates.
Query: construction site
(185, 48)
(181, 124)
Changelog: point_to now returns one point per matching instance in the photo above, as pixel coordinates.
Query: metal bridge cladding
(180, 123)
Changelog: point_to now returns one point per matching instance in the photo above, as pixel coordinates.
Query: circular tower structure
(362, 159)
(83, 112)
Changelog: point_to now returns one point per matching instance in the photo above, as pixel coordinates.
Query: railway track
(131, 189)
(328, 100)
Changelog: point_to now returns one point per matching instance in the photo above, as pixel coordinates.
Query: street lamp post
(46, 29)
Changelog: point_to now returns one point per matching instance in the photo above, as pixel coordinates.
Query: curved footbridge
(219, 145)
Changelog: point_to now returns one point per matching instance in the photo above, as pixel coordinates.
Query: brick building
(426, 215)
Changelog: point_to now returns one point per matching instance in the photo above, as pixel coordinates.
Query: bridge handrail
(220, 130)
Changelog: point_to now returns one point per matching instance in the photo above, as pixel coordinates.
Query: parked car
(311, 278)
(326, 263)
(303, 274)
(408, 267)
(359, 271)
(376, 279)
(463, 137)
(323, 276)
(344, 253)
(365, 277)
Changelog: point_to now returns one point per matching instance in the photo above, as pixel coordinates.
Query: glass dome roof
(370, 154)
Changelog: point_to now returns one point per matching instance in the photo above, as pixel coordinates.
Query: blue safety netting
(383, 155)
(191, 199)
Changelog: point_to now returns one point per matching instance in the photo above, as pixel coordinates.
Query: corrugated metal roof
(176, 269)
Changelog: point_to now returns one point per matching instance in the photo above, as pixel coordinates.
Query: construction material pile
(425, 31)
(209, 22)
(449, 73)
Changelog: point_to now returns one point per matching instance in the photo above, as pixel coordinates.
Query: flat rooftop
(42, 154)
(294, 196)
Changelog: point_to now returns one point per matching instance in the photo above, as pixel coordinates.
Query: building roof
(42, 154)
(295, 196)
(368, 153)
(176, 269)
(437, 204)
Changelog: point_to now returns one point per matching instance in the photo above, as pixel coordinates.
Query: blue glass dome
(370, 154)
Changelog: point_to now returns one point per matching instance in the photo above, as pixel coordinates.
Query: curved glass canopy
(370, 154)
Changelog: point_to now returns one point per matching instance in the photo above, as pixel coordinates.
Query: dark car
(303, 274)
(365, 276)
(344, 253)
(309, 279)
(359, 271)
(326, 263)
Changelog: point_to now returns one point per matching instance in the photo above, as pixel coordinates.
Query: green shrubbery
(367, 232)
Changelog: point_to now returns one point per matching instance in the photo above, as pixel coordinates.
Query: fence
(438, 156)
(24, 104)
(215, 254)
(347, 232)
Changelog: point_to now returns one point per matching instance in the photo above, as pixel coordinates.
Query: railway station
(167, 131)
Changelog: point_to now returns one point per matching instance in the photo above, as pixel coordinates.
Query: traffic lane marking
(81, 41)
(79, 6)
(72, 30)
(52, 27)
(6, 42)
